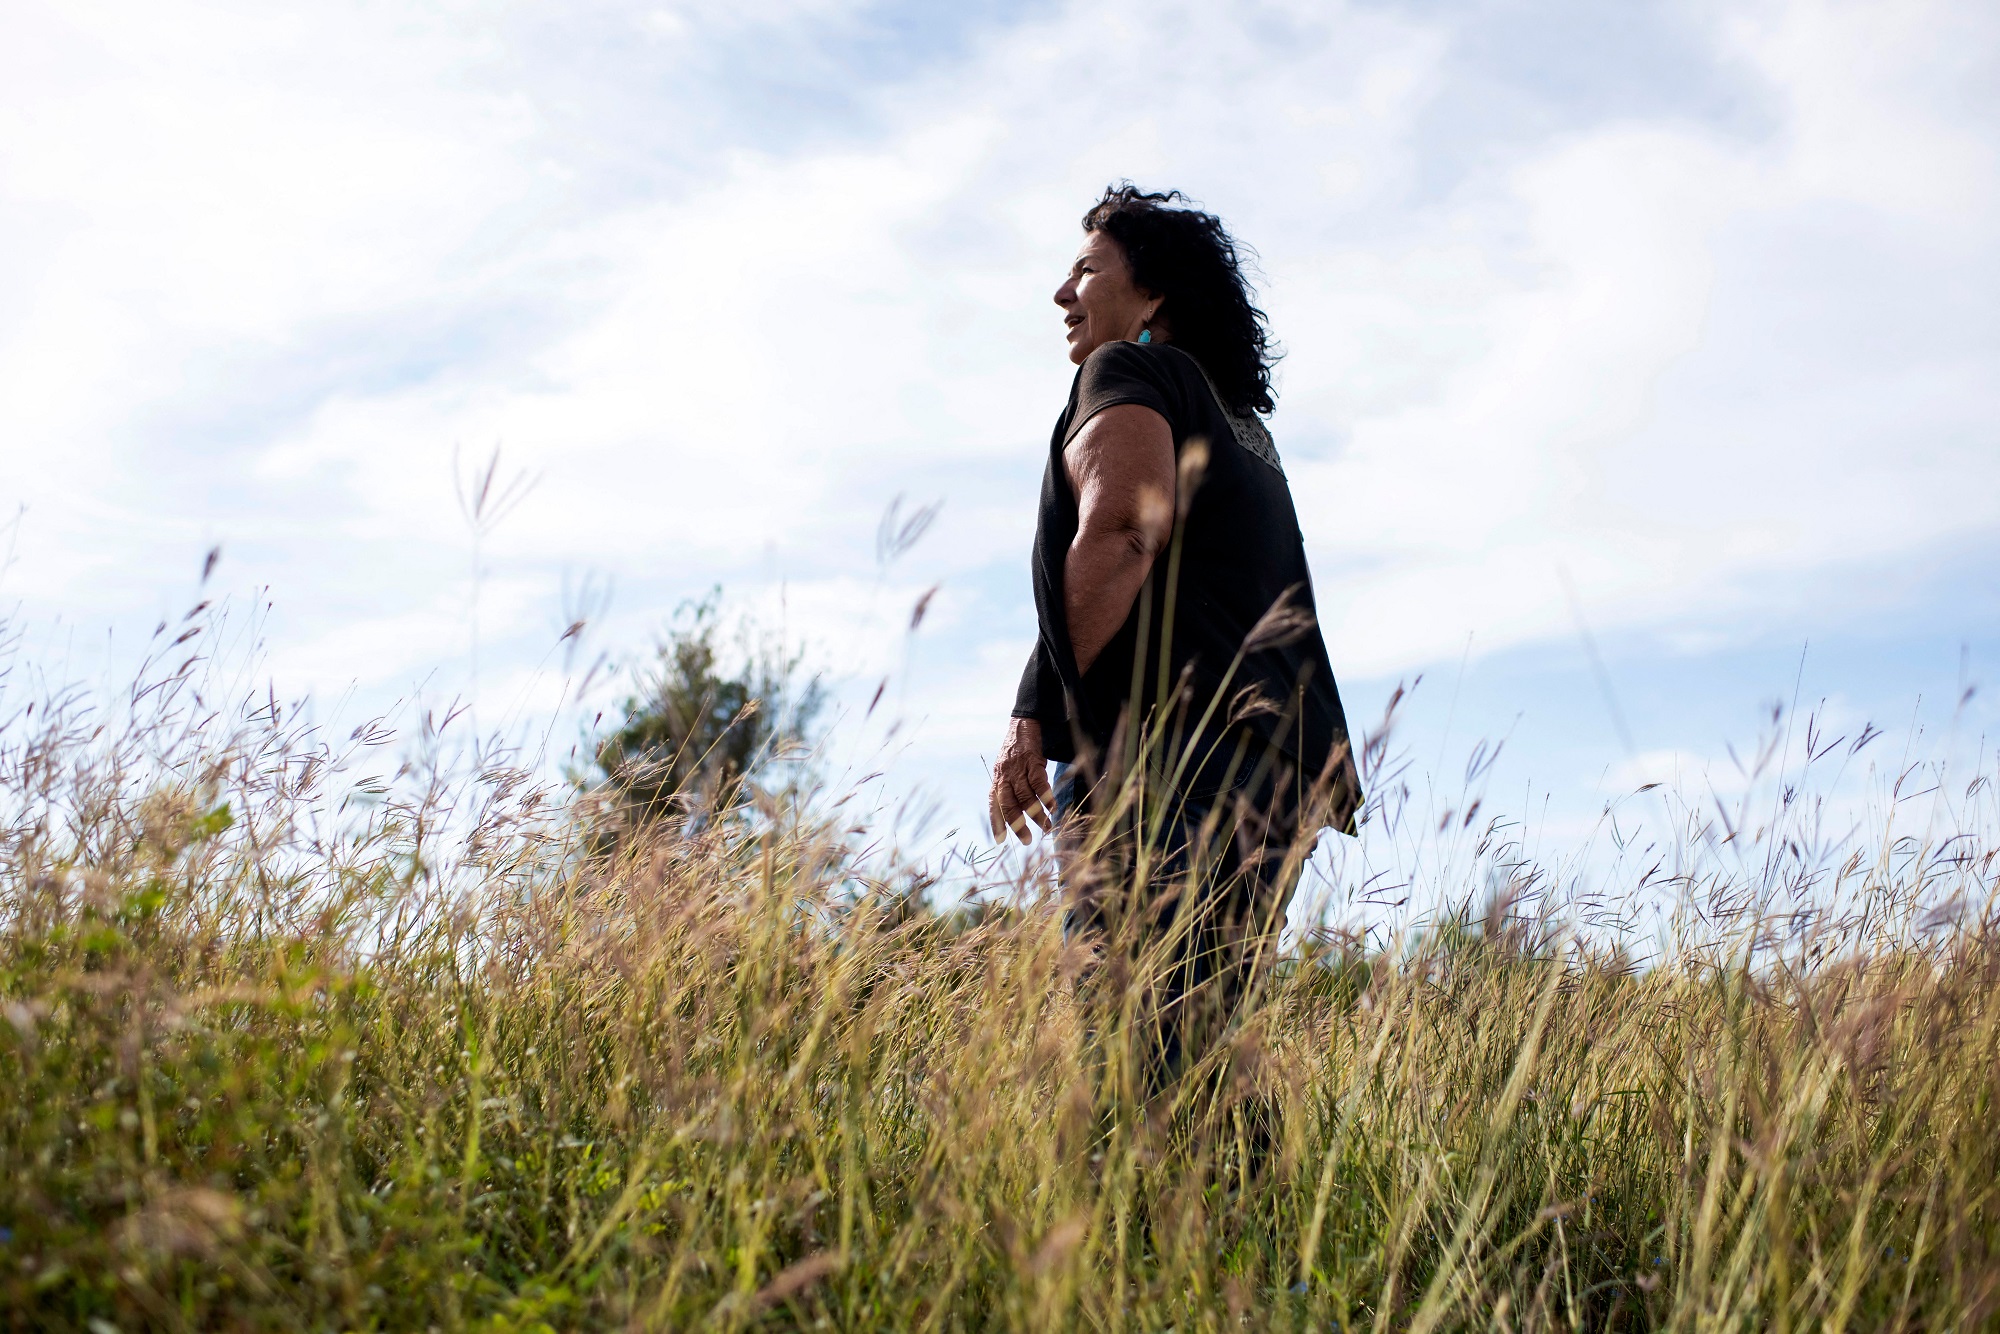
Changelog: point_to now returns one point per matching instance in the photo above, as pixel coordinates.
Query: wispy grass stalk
(290, 1045)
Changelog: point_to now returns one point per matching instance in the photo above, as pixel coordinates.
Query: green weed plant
(286, 1044)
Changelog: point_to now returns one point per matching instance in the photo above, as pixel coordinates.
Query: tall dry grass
(304, 1033)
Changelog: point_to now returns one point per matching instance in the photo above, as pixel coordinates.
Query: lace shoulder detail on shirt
(1247, 427)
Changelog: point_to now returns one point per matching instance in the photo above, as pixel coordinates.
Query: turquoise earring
(1145, 335)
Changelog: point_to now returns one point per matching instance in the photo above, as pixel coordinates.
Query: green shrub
(284, 1045)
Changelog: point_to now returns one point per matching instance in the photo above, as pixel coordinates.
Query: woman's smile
(1100, 303)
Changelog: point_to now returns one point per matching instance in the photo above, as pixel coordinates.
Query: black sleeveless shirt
(1240, 553)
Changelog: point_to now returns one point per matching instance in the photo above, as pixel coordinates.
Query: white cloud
(1696, 779)
(272, 267)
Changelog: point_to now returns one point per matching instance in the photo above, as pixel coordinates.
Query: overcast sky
(1694, 306)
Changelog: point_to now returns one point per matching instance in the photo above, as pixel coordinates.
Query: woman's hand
(1021, 783)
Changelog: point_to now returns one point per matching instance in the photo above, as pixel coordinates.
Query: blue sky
(1693, 306)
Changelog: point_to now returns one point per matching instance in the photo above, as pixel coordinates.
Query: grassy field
(284, 1046)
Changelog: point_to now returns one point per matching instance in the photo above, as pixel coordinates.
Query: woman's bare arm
(1121, 466)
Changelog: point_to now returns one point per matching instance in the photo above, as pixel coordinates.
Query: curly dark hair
(1187, 257)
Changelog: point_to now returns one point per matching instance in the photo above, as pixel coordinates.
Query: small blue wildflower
(1299, 1287)
(6, 1235)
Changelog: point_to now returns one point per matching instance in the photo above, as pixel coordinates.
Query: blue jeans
(1065, 789)
(1215, 888)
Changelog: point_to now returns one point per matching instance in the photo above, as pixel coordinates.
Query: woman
(1179, 675)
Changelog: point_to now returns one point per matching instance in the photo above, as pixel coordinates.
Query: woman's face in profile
(1100, 304)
